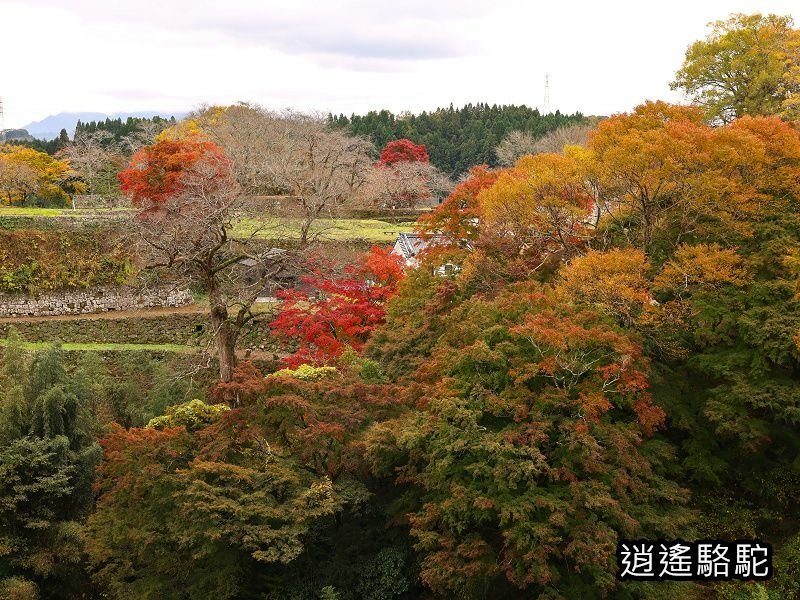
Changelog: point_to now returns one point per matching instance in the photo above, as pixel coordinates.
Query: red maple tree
(403, 151)
(166, 169)
(352, 305)
(457, 219)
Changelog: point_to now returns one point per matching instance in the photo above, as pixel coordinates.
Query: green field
(32, 211)
(370, 230)
(70, 347)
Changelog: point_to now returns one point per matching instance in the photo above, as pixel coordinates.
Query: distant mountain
(7, 135)
(50, 127)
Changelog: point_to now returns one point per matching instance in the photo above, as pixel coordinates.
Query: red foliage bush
(165, 169)
(352, 306)
(403, 151)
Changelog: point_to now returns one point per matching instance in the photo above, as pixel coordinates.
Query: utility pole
(546, 108)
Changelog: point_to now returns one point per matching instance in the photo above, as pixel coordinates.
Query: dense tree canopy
(664, 175)
(747, 65)
(708, 302)
(28, 176)
(533, 414)
(455, 138)
(600, 341)
(120, 131)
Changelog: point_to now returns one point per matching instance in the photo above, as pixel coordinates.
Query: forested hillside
(592, 347)
(120, 129)
(456, 138)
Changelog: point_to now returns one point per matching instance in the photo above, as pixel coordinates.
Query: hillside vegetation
(599, 343)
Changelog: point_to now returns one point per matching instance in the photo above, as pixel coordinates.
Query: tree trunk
(225, 335)
(647, 226)
(305, 228)
(225, 342)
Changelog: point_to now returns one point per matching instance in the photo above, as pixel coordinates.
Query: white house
(410, 245)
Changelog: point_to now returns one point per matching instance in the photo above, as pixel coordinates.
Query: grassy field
(370, 230)
(30, 211)
(70, 347)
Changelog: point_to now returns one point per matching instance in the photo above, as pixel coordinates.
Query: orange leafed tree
(457, 219)
(666, 175)
(168, 168)
(614, 281)
(543, 203)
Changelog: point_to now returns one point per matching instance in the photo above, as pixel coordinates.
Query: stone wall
(90, 300)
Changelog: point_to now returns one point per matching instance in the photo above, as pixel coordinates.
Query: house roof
(410, 244)
(272, 253)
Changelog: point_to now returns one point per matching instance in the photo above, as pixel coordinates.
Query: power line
(546, 108)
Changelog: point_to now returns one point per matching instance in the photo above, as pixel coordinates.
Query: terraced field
(106, 347)
(369, 230)
(30, 211)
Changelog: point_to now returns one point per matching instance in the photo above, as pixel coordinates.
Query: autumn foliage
(346, 308)
(456, 220)
(599, 343)
(168, 168)
(197, 495)
(542, 404)
(665, 171)
(403, 151)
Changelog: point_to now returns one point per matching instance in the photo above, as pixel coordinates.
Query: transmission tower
(2, 122)
(546, 108)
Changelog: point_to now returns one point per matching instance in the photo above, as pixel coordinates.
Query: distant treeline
(456, 138)
(119, 128)
(49, 147)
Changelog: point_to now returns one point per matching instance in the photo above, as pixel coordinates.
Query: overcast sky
(346, 55)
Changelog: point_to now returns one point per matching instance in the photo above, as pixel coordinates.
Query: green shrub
(17, 588)
(33, 261)
(307, 373)
(193, 415)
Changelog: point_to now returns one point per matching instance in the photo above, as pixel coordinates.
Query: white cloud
(345, 56)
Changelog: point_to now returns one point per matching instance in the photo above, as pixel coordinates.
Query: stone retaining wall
(90, 300)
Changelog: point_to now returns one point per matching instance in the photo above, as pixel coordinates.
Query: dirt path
(121, 314)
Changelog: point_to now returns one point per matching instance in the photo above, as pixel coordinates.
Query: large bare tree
(314, 168)
(145, 134)
(405, 184)
(517, 144)
(90, 154)
(188, 203)
(191, 189)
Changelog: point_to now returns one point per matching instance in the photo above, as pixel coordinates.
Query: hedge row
(34, 260)
(179, 328)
